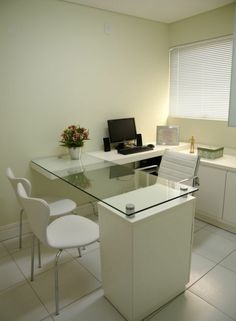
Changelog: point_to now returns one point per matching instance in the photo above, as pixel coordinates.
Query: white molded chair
(58, 206)
(179, 167)
(69, 231)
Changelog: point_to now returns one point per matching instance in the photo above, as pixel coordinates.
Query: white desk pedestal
(146, 259)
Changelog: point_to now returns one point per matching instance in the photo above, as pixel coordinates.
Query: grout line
(217, 264)
(52, 316)
(29, 283)
(217, 308)
(27, 280)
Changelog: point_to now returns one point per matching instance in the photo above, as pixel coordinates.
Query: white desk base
(145, 260)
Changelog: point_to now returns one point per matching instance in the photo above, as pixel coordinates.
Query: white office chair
(179, 167)
(69, 231)
(58, 206)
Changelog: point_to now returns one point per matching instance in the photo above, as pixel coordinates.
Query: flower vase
(75, 152)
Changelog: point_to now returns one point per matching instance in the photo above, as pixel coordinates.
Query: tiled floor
(210, 295)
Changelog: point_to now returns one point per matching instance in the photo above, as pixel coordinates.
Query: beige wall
(58, 67)
(204, 26)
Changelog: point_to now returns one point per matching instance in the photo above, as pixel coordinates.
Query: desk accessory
(210, 152)
(192, 142)
(167, 135)
(107, 145)
(139, 141)
(74, 137)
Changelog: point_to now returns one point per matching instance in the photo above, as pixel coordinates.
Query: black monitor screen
(121, 129)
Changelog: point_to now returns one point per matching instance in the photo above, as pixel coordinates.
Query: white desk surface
(115, 157)
(226, 162)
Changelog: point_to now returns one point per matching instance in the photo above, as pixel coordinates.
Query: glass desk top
(119, 186)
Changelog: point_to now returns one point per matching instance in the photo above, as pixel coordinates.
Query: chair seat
(72, 231)
(60, 206)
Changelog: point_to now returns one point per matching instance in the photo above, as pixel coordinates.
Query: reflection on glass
(79, 179)
(114, 185)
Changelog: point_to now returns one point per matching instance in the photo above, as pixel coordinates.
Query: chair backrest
(15, 180)
(177, 166)
(37, 211)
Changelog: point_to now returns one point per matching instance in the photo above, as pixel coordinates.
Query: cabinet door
(229, 214)
(210, 197)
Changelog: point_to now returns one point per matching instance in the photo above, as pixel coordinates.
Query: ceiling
(159, 10)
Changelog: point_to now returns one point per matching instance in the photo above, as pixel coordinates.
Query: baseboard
(12, 230)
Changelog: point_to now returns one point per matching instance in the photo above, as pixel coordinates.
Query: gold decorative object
(192, 142)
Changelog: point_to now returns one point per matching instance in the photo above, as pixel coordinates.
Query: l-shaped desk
(145, 256)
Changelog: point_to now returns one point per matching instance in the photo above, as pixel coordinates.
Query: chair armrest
(194, 178)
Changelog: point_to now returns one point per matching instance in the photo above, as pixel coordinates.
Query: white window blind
(200, 76)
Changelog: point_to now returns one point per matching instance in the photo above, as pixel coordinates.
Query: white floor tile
(91, 261)
(9, 273)
(212, 245)
(93, 307)
(74, 283)
(198, 225)
(212, 296)
(23, 259)
(218, 288)
(199, 267)
(230, 262)
(188, 307)
(223, 233)
(21, 304)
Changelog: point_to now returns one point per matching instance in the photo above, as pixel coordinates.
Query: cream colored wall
(58, 67)
(204, 26)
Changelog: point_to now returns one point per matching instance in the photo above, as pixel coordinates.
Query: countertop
(226, 162)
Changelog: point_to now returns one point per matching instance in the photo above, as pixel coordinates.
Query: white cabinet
(210, 197)
(229, 214)
(216, 198)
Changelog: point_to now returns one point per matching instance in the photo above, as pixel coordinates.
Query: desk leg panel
(146, 262)
(116, 243)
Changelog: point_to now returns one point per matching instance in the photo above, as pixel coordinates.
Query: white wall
(58, 67)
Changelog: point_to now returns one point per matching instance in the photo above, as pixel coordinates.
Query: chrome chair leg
(56, 281)
(39, 254)
(20, 228)
(94, 208)
(32, 258)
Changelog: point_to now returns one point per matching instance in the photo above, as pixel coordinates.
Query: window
(200, 75)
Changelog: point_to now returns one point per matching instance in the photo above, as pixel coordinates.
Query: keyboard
(135, 149)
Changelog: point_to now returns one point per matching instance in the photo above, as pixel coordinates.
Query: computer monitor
(121, 130)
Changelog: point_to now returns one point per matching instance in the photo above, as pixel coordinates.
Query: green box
(210, 152)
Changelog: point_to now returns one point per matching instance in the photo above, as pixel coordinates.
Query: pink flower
(74, 136)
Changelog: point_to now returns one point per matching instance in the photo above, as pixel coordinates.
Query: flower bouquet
(73, 137)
